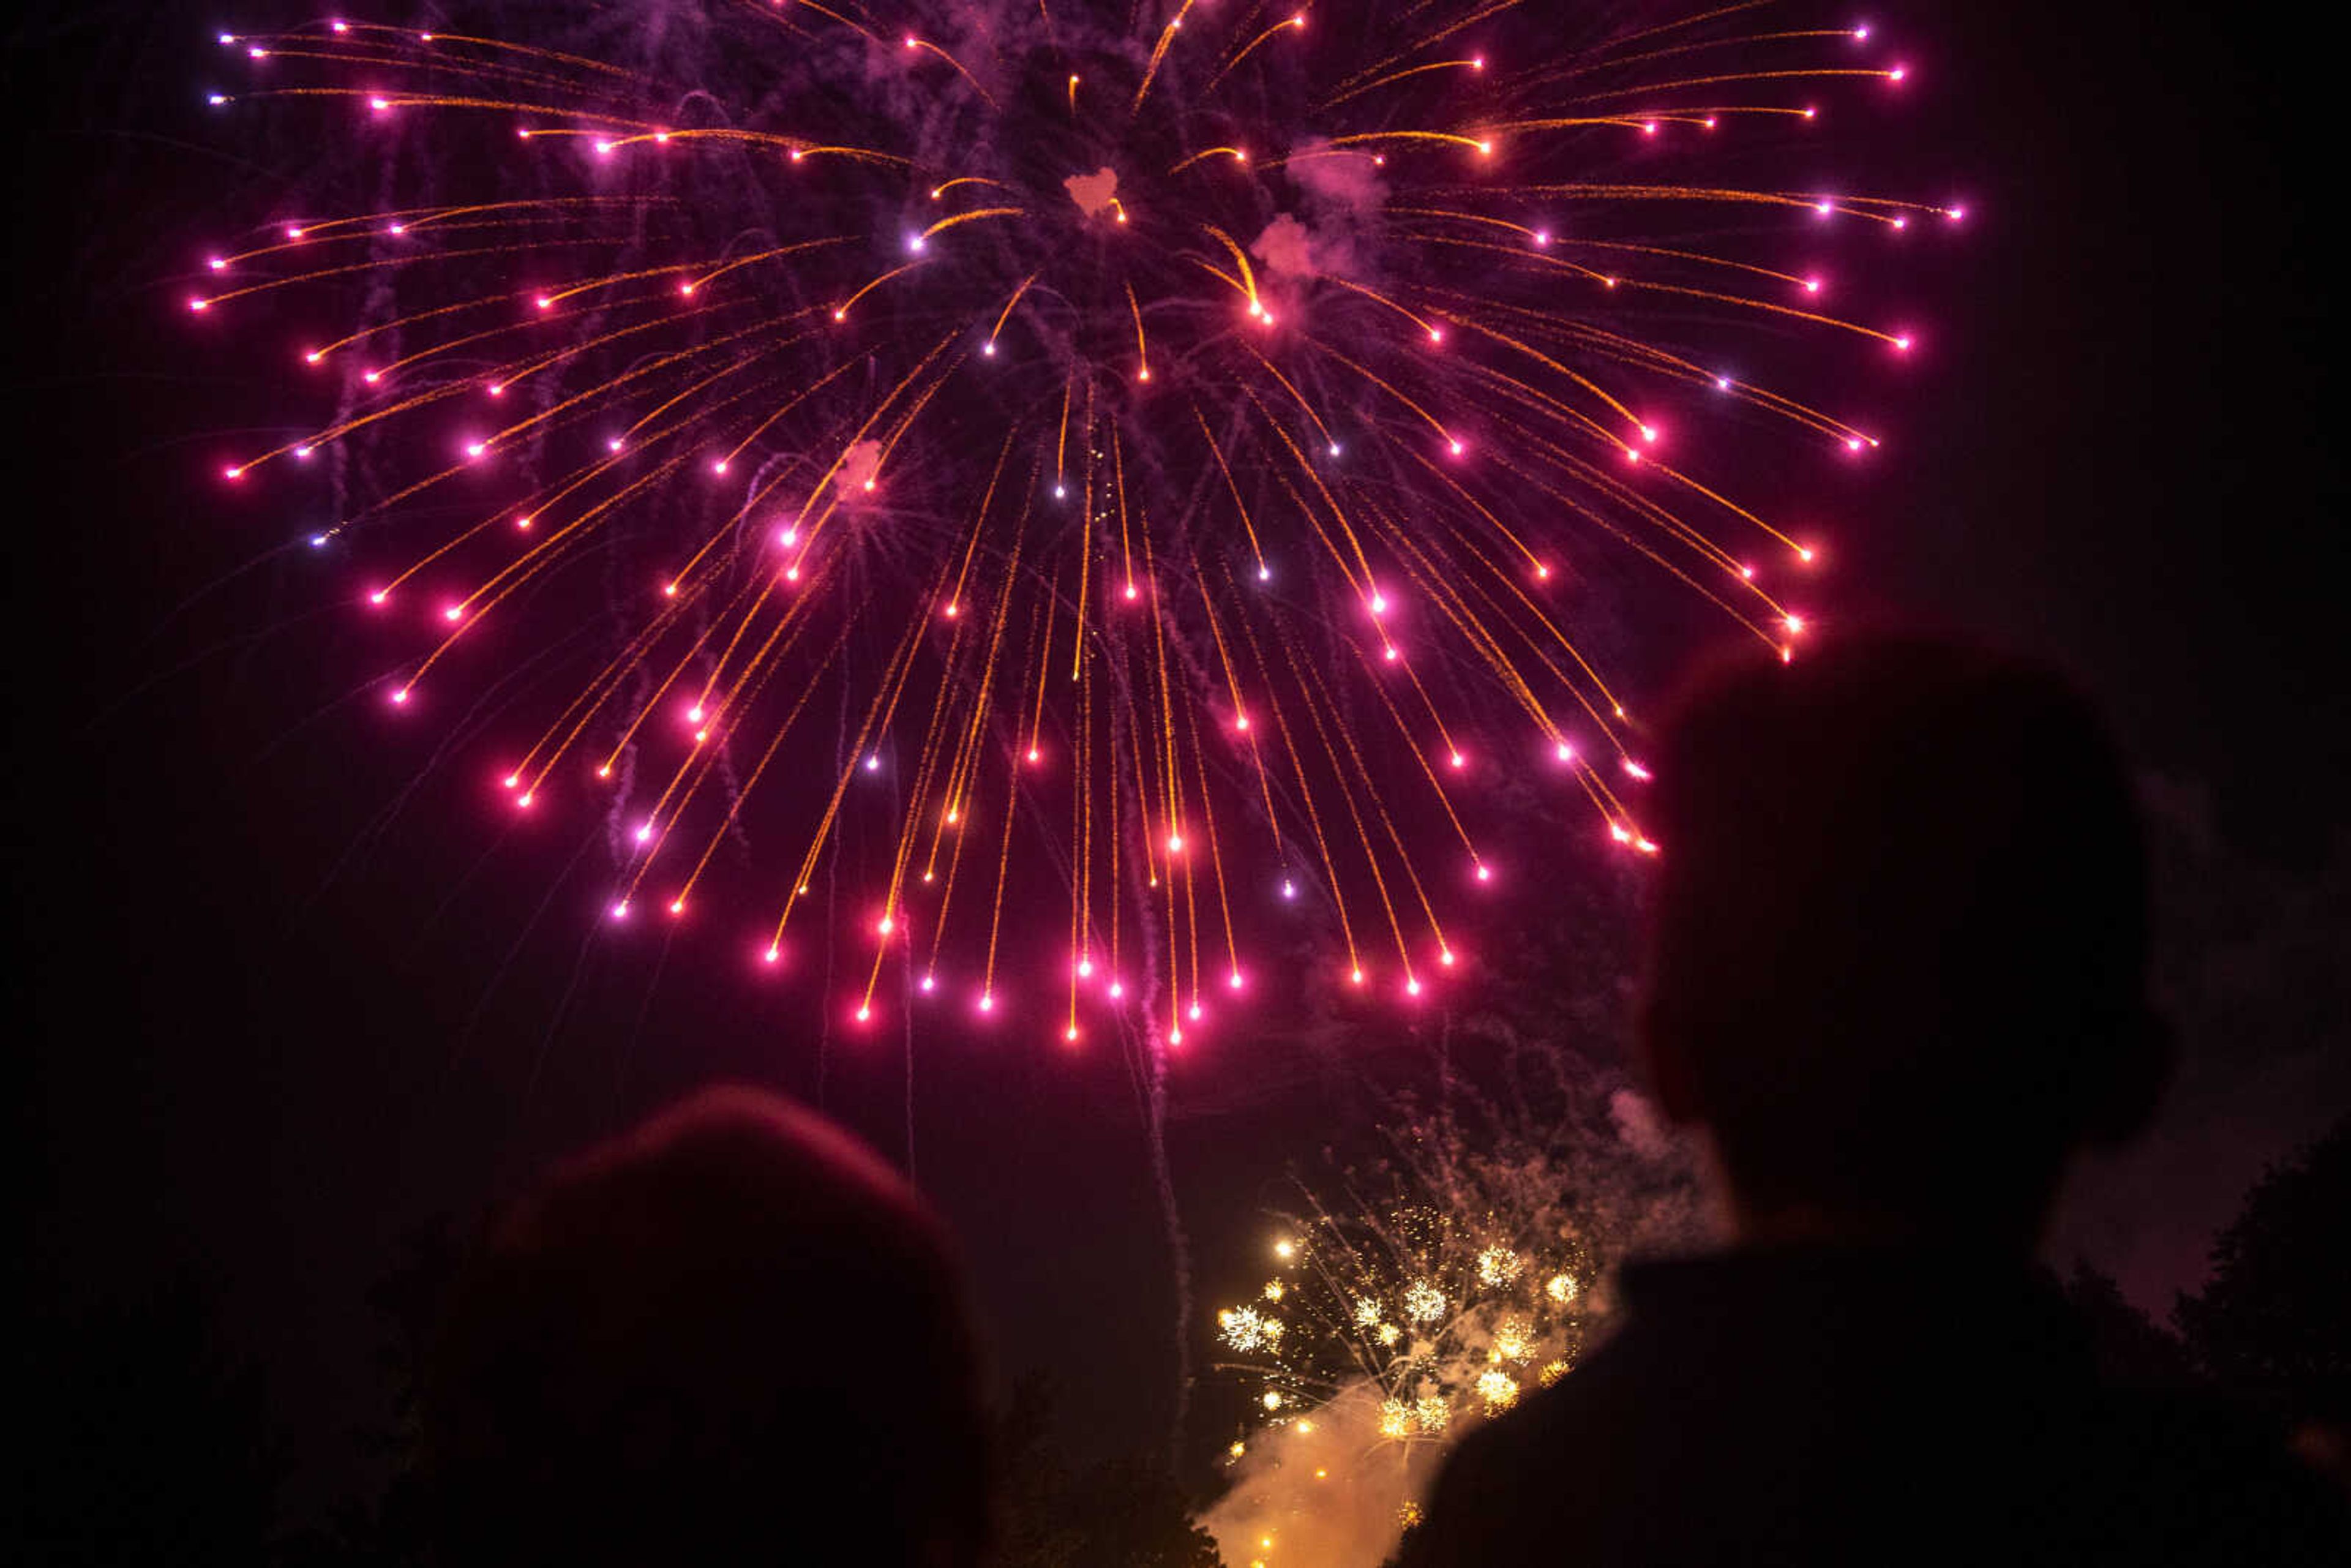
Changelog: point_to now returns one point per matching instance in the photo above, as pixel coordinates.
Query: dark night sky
(286, 998)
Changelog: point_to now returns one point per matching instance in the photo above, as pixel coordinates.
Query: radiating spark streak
(774, 253)
(1389, 387)
(1290, 24)
(1430, 40)
(955, 219)
(382, 264)
(1041, 666)
(498, 587)
(824, 484)
(876, 717)
(1347, 788)
(1216, 856)
(840, 311)
(1358, 573)
(758, 768)
(1003, 863)
(1321, 430)
(836, 16)
(1158, 54)
(1414, 437)
(970, 80)
(1435, 780)
(1005, 315)
(1256, 758)
(1237, 154)
(1444, 138)
(1307, 797)
(1469, 63)
(1812, 74)
(752, 435)
(1142, 349)
(1379, 808)
(941, 189)
(500, 45)
(1736, 40)
(1240, 261)
(1241, 507)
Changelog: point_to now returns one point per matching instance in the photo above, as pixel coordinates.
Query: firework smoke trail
(1199, 424)
(1156, 1045)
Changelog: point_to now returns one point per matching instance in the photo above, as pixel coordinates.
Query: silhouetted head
(730, 1335)
(1898, 944)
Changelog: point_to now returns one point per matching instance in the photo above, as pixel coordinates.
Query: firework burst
(1438, 1318)
(1171, 448)
(1412, 1298)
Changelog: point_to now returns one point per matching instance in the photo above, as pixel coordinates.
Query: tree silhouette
(146, 1441)
(1122, 1513)
(2130, 1346)
(2277, 1312)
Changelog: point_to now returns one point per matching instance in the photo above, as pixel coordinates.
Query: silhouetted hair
(730, 1335)
(1899, 937)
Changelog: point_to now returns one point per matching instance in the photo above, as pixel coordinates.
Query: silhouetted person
(730, 1336)
(1895, 978)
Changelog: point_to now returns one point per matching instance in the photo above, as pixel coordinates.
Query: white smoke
(1095, 194)
(1640, 1126)
(1286, 247)
(858, 467)
(1336, 178)
(1324, 1493)
(1340, 193)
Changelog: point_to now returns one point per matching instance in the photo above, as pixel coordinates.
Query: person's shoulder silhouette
(732, 1335)
(1896, 958)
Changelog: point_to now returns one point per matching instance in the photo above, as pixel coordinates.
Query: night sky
(291, 993)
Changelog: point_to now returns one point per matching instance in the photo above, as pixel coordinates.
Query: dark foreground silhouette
(731, 1336)
(1896, 976)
